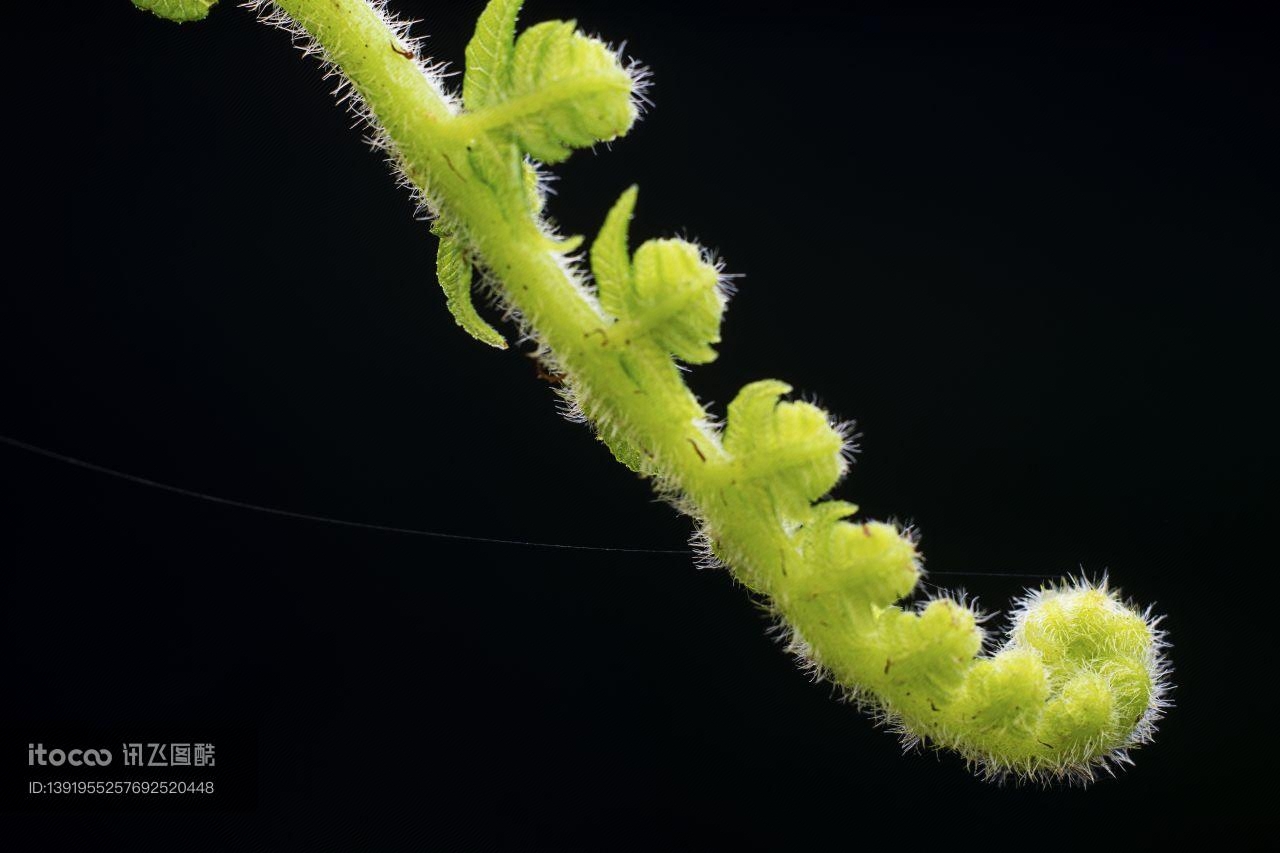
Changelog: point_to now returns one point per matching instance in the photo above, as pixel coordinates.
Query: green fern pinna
(1079, 679)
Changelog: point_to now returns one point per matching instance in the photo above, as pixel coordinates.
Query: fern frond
(1081, 677)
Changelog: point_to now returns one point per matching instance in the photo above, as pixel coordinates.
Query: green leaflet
(577, 91)
(790, 445)
(749, 415)
(627, 454)
(855, 562)
(553, 91)
(453, 268)
(677, 299)
(611, 259)
(666, 293)
(177, 10)
(497, 165)
(489, 54)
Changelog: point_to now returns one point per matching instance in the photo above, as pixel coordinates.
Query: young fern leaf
(490, 53)
(453, 268)
(1080, 677)
(677, 300)
(788, 446)
(668, 293)
(611, 258)
(555, 91)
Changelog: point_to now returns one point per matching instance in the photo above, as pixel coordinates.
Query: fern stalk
(1080, 677)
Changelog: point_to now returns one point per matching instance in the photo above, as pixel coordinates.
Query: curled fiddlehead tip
(1081, 678)
(1107, 674)
(177, 10)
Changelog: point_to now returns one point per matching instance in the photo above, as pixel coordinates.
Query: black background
(1027, 251)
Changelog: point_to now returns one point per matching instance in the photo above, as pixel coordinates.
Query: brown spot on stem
(452, 168)
(548, 375)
